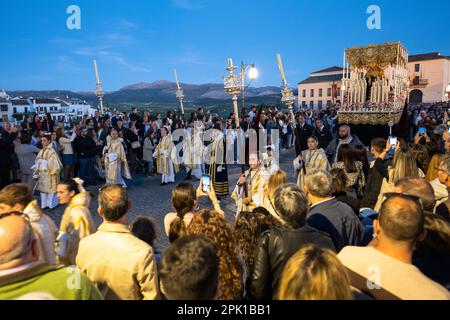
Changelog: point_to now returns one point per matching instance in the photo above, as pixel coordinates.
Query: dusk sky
(143, 40)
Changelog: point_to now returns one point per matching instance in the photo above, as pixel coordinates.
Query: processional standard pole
(287, 94)
(180, 93)
(99, 91)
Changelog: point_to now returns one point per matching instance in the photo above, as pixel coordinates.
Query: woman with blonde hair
(404, 166)
(315, 273)
(276, 180)
(213, 226)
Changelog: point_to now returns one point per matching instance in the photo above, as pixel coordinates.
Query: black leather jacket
(274, 249)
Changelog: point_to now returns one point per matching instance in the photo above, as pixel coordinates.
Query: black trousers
(5, 176)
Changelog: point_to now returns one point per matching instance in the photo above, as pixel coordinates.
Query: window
(14, 110)
(329, 92)
(416, 81)
(339, 92)
(311, 104)
(320, 92)
(304, 104)
(26, 109)
(304, 94)
(312, 93)
(320, 104)
(329, 103)
(4, 108)
(417, 67)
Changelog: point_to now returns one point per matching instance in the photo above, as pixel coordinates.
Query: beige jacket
(122, 266)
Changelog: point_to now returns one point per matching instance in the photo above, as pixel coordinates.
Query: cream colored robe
(77, 221)
(111, 168)
(256, 181)
(193, 150)
(165, 156)
(49, 167)
(313, 160)
(44, 230)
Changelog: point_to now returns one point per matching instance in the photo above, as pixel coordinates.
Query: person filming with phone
(185, 202)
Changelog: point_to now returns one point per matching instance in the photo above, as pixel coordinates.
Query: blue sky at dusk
(143, 40)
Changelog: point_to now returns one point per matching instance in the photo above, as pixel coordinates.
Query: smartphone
(422, 131)
(206, 183)
(393, 141)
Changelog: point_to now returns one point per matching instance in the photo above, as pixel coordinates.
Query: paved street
(149, 198)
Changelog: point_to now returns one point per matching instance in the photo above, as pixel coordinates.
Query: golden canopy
(375, 58)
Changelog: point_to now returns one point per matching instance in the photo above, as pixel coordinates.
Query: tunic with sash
(116, 164)
(217, 167)
(49, 167)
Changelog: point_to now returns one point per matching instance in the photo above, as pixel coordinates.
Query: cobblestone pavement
(149, 198)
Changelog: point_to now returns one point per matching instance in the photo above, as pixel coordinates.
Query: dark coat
(339, 221)
(324, 136)
(373, 184)
(275, 248)
(302, 134)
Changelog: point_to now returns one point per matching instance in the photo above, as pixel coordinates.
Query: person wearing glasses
(22, 273)
(18, 198)
(384, 269)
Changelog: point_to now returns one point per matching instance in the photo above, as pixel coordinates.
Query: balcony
(416, 82)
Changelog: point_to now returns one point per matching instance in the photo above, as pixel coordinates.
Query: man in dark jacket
(329, 215)
(96, 120)
(303, 132)
(279, 244)
(344, 137)
(86, 149)
(7, 136)
(323, 134)
(136, 118)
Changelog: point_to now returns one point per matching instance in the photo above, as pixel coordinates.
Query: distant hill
(163, 92)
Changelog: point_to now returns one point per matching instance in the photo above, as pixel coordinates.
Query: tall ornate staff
(287, 94)
(99, 91)
(232, 88)
(180, 93)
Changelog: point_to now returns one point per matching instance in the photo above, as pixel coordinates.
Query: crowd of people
(362, 222)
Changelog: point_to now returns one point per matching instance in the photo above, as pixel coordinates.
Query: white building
(61, 110)
(321, 89)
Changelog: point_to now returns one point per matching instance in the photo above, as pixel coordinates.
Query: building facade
(321, 89)
(66, 110)
(429, 77)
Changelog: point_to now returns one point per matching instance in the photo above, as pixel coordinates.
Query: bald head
(420, 188)
(401, 219)
(113, 202)
(344, 132)
(16, 238)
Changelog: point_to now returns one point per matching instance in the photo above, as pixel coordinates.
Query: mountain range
(163, 92)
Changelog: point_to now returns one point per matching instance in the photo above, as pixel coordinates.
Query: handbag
(135, 145)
